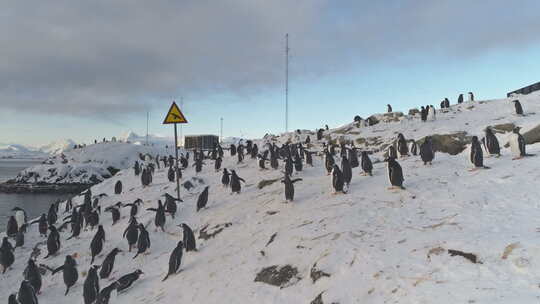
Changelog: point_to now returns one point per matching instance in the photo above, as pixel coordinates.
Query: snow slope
(374, 245)
(58, 147)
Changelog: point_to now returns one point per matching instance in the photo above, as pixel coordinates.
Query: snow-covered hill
(20, 151)
(371, 245)
(58, 147)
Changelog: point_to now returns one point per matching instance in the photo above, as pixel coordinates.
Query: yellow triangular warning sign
(174, 115)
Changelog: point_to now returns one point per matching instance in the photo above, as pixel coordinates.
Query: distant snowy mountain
(20, 151)
(58, 147)
(134, 138)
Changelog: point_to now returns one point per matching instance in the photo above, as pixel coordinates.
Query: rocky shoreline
(14, 187)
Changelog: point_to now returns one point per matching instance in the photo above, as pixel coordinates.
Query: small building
(526, 90)
(204, 142)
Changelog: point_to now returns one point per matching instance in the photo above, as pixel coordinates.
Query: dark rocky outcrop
(452, 144)
(281, 277)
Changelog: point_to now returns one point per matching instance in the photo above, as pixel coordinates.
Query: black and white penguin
(12, 227)
(96, 245)
(53, 241)
(217, 164)
(203, 199)
(160, 218)
(7, 258)
(298, 165)
(108, 264)
(446, 103)
(460, 98)
(188, 238)
(225, 178)
(431, 113)
(91, 285)
(392, 152)
(517, 144)
(42, 224)
(476, 156)
(198, 165)
(118, 188)
(69, 271)
(414, 148)
(175, 260)
(68, 205)
(19, 238)
(389, 108)
(517, 106)
(471, 96)
(262, 158)
(329, 161)
(288, 166)
(353, 157)
(289, 187)
(115, 212)
(236, 187)
(127, 280)
(337, 179)
(347, 172)
(426, 151)
(309, 157)
(143, 243)
(31, 274)
(170, 204)
(134, 207)
(402, 146)
(52, 217)
(20, 216)
(136, 168)
(232, 149)
(491, 144)
(365, 163)
(423, 114)
(12, 299)
(105, 294)
(395, 173)
(27, 294)
(132, 233)
(170, 174)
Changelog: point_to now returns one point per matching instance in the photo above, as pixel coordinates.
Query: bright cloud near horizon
(93, 69)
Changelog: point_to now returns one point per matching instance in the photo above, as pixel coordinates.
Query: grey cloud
(90, 57)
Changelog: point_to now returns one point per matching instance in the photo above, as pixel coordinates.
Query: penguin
(159, 219)
(127, 280)
(12, 299)
(7, 258)
(217, 164)
(136, 168)
(347, 172)
(20, 216)
(105, 294)
(134, 207)
(69, 271)
(476, 156)
(517, 105)
(27, 294)
(170, 174)
(460, 98)
(262, 160)
(115, 212)
(118, 188)
(392, 151)
(274, 164)
(12, 227)
(446, 103)
(52, 217)
(320, 134)
(288, 166)
(198, 165)
(366, 164)
(395, 173)
(188, 238)
(42, 224)
(175, 260)
(309, 157)
(97, 243)
(76, 224)
(389, 108)
(353, 157)
(53, 242)
(289, 187)
(471, 96)
(308, 140)
(491, 144)
(431, 113)
(203, 199)
(91, 285)
(236, 187)
(232, 149)
(426, 151)
(225, 179)
(517, 144)
(131, 233)
(414, 148)
(31, 274)
(329, 161)
(298, 166)
(93, 218)
(19, 238)
(143, 243)
(402, 146)
(337, 179)
(423, 114)
(108, 264)
(68, 205)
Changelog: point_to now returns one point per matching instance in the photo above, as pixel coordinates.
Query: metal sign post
(175, 116)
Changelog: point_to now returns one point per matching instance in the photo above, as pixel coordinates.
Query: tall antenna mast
(287, 82)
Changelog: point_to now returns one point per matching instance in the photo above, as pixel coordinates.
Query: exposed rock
(469, 256)
(205, 234)
(413, 112)
(452, 144)
(113, 170)
(503, 128)
(316, 274)
(281, 277)
(372, 120)
(532, 136)
(318, 299)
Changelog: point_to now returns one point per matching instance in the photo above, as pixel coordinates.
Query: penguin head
(138, 272)
(516, 130)
(180, 244)
(70, 260)
(31, 263)
(116, 250)
(474, 139)
(16, 209)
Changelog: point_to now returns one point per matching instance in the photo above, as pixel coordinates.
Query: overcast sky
(89, 69)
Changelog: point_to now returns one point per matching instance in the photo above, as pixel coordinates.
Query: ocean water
(34, 204)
